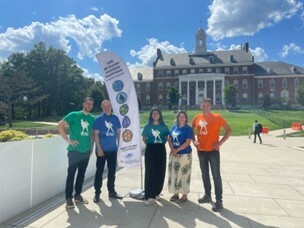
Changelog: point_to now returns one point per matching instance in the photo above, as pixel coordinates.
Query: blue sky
(134, 29)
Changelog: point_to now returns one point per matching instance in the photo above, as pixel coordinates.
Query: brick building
(205, 74)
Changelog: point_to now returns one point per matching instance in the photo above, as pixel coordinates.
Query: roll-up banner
(123, 97)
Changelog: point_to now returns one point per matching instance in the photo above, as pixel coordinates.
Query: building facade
(205, 74)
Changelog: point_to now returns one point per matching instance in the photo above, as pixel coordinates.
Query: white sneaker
(150, 201)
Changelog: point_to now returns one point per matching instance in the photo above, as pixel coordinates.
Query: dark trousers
(155, 163)
(212, 158)
(111, 158)
(77, 162)
(255, 135)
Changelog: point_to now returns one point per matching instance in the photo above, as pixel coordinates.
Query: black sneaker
(96, 199)
(218, 206)
(114, 195)
(205, 199)
(80, 199)
(70, 203)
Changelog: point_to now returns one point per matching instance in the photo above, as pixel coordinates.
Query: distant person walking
(257, 129)
(180, 158)
(208, 125)
(106, 136)
(80, 147)
(155, 135)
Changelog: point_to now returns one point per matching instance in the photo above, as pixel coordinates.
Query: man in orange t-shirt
(208, 143)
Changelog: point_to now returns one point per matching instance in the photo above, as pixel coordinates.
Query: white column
(223, 83)
(196, 92)
(180, 91)
(214, 97)
(205, 88)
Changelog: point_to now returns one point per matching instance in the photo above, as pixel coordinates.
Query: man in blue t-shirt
(106, 130)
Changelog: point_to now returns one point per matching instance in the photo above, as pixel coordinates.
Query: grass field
(240, 121)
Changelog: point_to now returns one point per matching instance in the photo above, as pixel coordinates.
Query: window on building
(245, 83)
(218, 70)
(139, 76)
(160, 86)
(184, 71)
(176, 85)
(272, 95)
(227, 70)
(272, 84)
(209, 70)
(211, 59)
(226, 82)
(231, 58)
(160, 98)
(260, 84)
(138, 87)
(172, 62)
(218, 98)
(235, 70)
(192, 71)
(245, 95)
(236, 83)
(245, 70)
(168, 85)
(201, 70)
(176, 72)
(296, 82)
(218, 85)
(148, 99)
(168, 73)
(184, 86)
(160, 73)
(148, 87)
(284, 83)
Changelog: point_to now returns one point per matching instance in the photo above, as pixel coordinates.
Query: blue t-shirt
(107, 127)
(156, 134)
(179, 136)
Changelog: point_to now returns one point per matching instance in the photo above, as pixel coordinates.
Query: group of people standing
(155, 134)
(84, 130)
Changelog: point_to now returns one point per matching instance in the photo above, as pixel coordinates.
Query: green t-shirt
(156, 133)
(80, 129)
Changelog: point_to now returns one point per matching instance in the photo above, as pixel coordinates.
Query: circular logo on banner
(127, 135)
(121, 97)
(126, 122)
(123, 110)
(118, 85)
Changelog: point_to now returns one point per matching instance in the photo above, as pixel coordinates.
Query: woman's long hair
(160, 120)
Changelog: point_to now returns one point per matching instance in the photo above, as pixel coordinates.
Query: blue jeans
(111, 158)
(212, 158)
(78, 161)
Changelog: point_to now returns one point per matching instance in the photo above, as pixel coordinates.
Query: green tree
(174, 96)
(97, 94)
(300, 94)
(230, 92)
(266, 102)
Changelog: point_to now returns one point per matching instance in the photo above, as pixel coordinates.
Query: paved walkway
(263, 187)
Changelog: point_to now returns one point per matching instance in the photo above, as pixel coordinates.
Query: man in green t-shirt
(80, 147)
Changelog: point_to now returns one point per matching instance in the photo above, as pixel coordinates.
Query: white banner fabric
(123, 97)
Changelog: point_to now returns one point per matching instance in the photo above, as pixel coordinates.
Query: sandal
(174, 198)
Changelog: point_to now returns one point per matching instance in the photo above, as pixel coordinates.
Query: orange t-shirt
(208, 129)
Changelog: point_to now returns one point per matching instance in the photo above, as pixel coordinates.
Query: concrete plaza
(263, 187)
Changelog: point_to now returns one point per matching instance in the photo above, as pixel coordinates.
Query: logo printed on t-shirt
(110, 131)
(157, 138)
(175, 138)
(203, 125)
(85, 129)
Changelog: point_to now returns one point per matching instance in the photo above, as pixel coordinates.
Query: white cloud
(147, 54)
(258, 53)
(291, 48)
(95, 76)
(89, 34)
(95, 9)
(230, 18)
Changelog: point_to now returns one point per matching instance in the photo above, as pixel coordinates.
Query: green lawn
(240, 121)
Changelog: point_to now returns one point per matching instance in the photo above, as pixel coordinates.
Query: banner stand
(138, 193)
